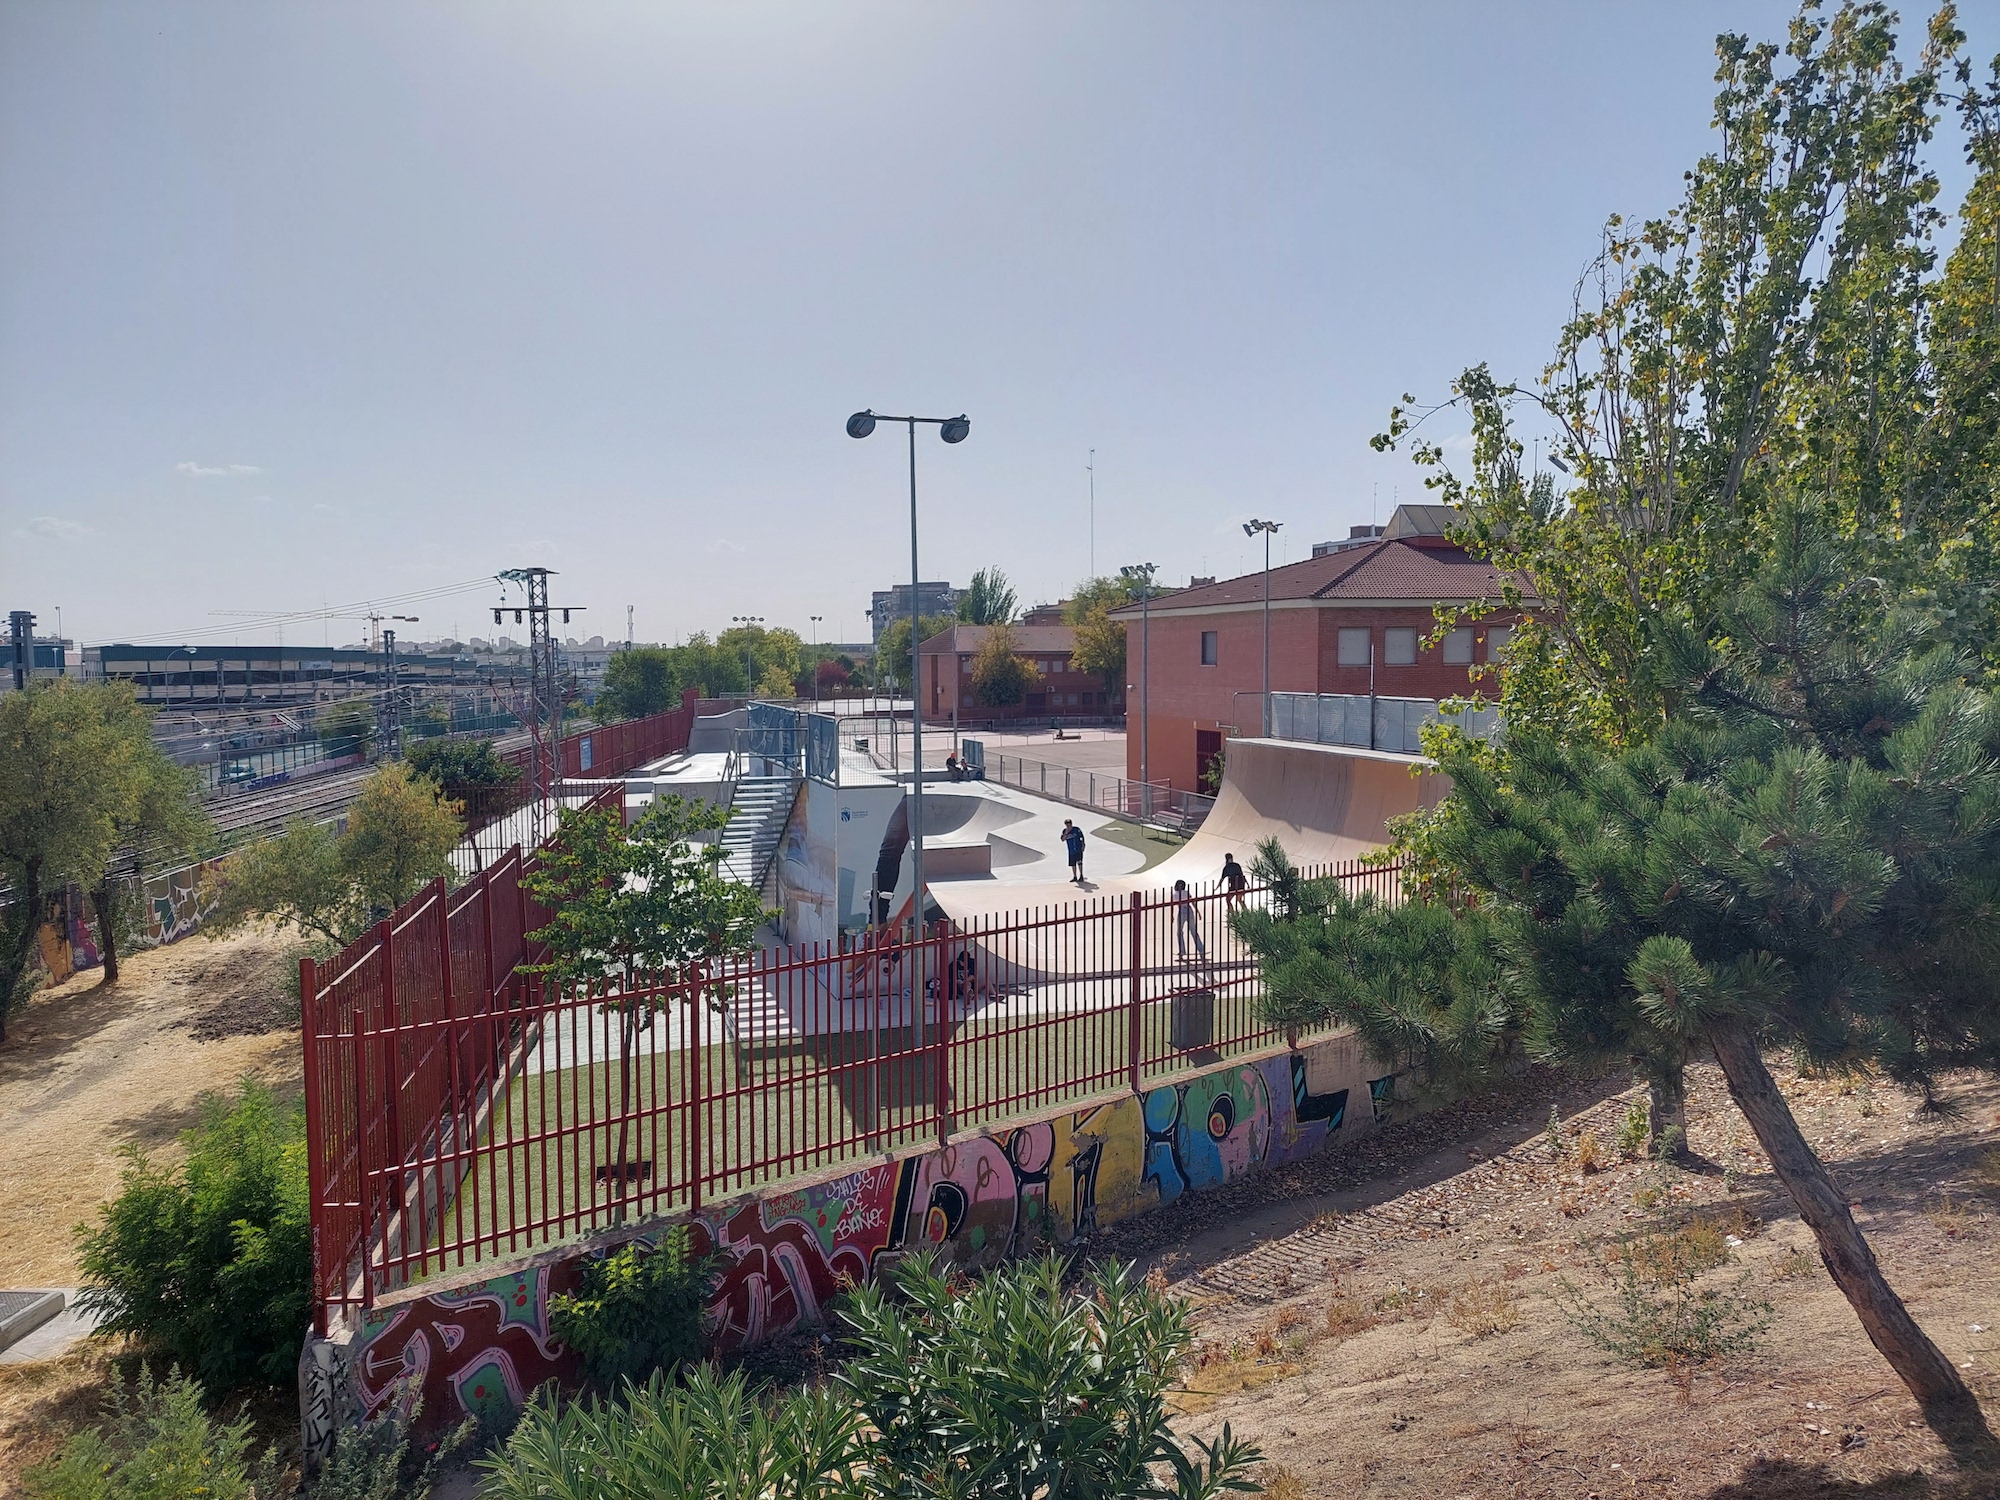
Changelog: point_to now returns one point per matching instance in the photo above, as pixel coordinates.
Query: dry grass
(1795, 1265)
(1280, 1483)
(1590, 1153)
(1950, 1216)
(1347, 1315)
(1482, 1308)
(1988, 1169)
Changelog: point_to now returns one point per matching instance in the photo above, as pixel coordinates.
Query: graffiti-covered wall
(982, 1198)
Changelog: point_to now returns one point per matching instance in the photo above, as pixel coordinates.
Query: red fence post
(392, 1084)
(315, 1140)
(932, 973)
(697, 1004)
(1135, 1000)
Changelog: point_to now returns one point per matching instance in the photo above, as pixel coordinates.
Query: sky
(314, 304)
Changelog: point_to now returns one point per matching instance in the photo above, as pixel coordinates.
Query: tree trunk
(1667, 1106)
(15, 963)
(1948, 1404)
(105, 899)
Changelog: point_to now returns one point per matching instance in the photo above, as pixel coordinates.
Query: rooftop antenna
(1092, 468)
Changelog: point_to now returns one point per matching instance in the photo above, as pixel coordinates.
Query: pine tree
(1807, 856)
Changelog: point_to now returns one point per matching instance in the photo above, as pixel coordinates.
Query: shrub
(1632, 1130)
(157, 1442)
(1011, 1385)
(211, 1264)
(1661, 1319)
(374, 1461)
(640, 1310)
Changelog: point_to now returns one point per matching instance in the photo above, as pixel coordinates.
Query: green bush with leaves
(377, 1461)
(210, 1263)
(1011, 1386)
(1663, 1314)
(640, 1310)
(158, 1442)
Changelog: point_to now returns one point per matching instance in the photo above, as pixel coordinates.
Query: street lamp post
(749, 676)
(815, 659)
(1251, 528)
(952, 430)
(1139, 577)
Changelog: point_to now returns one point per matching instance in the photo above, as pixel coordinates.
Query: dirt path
(1383, 1322)
(89, 1069)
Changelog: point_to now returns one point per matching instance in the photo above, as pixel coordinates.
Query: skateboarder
(1072, 837)
(1234, 879)
(1186, 923)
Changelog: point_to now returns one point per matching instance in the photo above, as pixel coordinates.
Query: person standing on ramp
(1072, 837)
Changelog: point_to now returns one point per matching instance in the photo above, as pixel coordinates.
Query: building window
(1210, 648)
(1354, 646)
(1458, 648)
(1399, 648)
(1496, 641)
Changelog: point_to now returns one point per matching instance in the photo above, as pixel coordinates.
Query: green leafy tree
(76, 774)
(1000, 675)
(776, 682)
(400, 834)
(635, 908)
(346, 728)
(1807, 855)
(892, 651)
(988, 600)
(210, 1262)
(644, 680)
(1768, 332)
(1100, 640)
(1779, 333)
(465, 771)
(328, 886)
(163, 820)
(1009, 1387)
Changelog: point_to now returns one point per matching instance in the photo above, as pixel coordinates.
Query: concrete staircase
(757, 821)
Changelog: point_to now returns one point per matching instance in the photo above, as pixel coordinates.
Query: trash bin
(1193, 1020)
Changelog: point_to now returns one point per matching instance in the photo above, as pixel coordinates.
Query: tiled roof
(1375, 570)
(1045, 640)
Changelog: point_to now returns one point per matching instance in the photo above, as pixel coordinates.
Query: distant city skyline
(306, 306)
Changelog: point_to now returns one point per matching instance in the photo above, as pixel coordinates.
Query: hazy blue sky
(305, 303)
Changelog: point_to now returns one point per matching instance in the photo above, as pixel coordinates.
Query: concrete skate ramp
(961, 817)
(713, 733)
(1323, 803)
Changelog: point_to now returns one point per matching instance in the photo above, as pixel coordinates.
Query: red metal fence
(614, 748)
(462, 1114)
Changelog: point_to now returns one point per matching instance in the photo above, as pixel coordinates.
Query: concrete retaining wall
(1050, 1180)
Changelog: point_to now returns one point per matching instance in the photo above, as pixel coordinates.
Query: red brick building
(944, 677)
(1354, 621)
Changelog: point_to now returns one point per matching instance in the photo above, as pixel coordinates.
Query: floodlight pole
(1251, 528)
(952, 430)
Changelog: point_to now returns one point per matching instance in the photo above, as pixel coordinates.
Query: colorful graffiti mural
(981, 1199)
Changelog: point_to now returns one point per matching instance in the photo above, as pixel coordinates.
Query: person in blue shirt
(1072, 837)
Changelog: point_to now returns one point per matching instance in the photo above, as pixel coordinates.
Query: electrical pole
(387, 715)
(543, 708)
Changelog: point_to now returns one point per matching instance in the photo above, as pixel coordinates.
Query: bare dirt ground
(88, 1070)
(1384, 1322)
